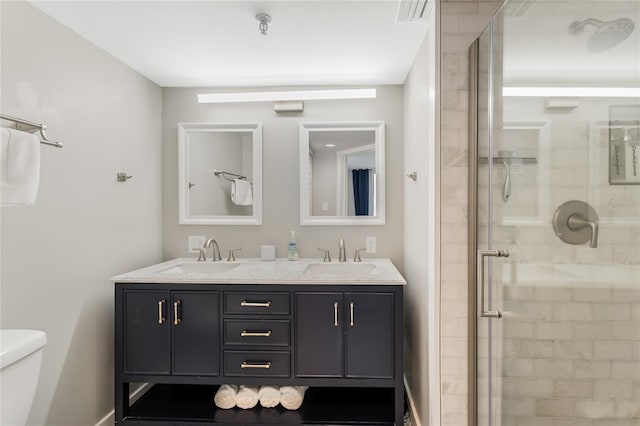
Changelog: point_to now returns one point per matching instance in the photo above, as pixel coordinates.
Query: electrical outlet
(371, 244)
(325, 206)
(196, 242)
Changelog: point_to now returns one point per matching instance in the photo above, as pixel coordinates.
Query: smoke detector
(264, 22)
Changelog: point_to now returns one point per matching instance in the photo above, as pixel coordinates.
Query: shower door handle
(481, 254)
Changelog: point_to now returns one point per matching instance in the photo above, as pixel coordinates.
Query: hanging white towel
(291, 397)
(226, 396)
(269, 396)
(20, 163)
(247, 397)
(241, 193)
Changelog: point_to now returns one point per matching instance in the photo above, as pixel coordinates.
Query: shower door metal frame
(474, 50)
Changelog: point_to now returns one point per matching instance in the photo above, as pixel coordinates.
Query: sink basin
(200, 268)
(340, 268)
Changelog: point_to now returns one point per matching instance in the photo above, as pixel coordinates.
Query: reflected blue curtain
(361, 191)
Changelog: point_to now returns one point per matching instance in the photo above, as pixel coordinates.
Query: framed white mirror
(219, 174)
(342, 173)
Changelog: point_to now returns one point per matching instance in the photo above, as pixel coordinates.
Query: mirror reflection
(220, 174)
(342, 165)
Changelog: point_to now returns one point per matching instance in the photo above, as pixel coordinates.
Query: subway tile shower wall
(573, 352)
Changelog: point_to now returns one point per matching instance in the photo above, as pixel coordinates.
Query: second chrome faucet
(216, 251)
(342, 257)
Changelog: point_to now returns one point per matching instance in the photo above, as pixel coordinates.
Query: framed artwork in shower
(624, 145)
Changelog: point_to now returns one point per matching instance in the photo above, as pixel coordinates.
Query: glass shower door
(558, 191)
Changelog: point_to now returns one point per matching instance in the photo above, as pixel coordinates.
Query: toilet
(20, 359)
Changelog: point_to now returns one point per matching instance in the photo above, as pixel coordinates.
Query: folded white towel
(247, 397)
(226, 396)
(20, 164)
(241, 193)
(291, 397)
(269, 396)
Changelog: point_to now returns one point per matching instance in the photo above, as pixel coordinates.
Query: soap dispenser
(292, 252)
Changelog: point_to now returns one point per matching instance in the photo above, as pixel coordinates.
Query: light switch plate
(196, 242)
(371, 244)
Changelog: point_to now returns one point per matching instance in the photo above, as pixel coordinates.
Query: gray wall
(281, 175)
(420, 234)
(58, 255)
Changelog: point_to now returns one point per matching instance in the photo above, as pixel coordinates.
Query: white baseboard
(109, 419)
(413, 414)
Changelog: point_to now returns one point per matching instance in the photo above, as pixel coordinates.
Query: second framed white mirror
(342, 173)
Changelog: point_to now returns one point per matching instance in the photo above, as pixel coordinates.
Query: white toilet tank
(20, 359)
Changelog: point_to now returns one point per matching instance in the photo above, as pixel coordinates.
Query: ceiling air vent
(412, 10)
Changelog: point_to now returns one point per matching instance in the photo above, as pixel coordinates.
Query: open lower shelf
(193, 404)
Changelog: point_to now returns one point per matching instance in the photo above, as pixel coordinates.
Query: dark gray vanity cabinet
(171, 332)
(319, 350)
(184, 339)
(369, 335)
(147, 334)
(345, 334)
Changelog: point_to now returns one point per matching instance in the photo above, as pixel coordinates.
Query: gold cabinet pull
(266, 304)
(246, 333)
(160, 311)
(176, 306)
(335, 314)
(246, 364)
(351, 304)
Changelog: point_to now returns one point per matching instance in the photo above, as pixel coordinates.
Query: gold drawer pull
(351, 304)
(246, 333)
(266, 304)
(245, 364)
(160, 311)
(176, 306)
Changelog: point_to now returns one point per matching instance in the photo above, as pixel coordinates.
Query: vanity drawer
(273, 303)
(257, 364)
(257, 332)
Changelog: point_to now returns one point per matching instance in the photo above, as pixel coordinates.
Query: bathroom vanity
(187, 327)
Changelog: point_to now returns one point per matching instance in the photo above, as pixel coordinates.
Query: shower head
(607, 35)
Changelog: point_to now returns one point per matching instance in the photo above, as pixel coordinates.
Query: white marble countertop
(280, 271)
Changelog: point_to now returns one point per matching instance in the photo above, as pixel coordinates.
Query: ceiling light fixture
(264, 22)
(298, 95)
(579, 92)
(330, 145)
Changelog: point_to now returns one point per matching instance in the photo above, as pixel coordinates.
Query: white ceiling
(218, 44)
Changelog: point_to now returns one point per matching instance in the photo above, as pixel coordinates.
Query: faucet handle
(231, 257)
(327, 256)
(356, 258)
(201, 257)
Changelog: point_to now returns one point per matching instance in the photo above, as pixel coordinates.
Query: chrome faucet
(343, 251)
(216, 249)
(327, 256)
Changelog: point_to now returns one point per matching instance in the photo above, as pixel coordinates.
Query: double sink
(318, 268)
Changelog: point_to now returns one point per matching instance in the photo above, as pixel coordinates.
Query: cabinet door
(147, 335)
(369, 325)
(319, 334)
(196, 333)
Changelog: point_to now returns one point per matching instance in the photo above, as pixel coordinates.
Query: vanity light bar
(299, 95)
(586, 92)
